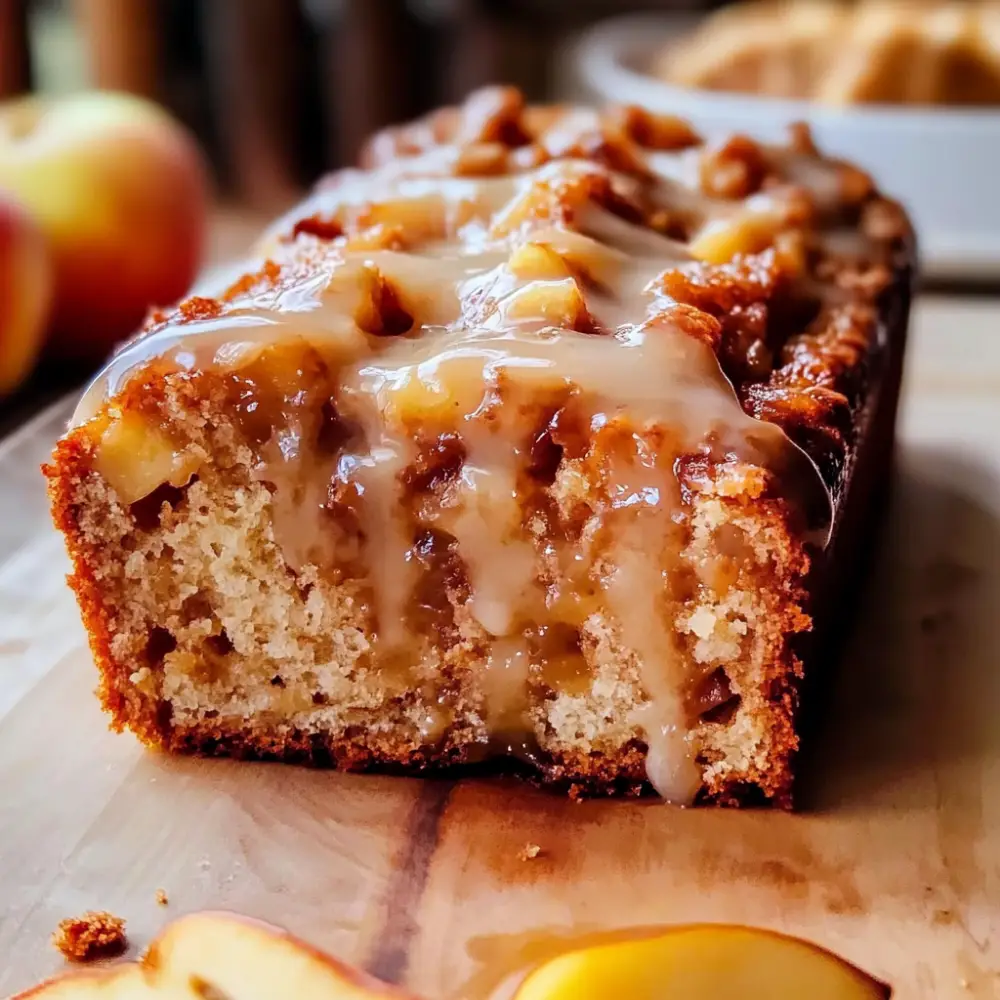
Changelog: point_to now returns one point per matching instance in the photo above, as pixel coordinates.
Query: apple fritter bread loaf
(534, 441)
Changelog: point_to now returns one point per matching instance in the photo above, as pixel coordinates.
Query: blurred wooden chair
(15, 59)
(372, 68)
(121, 43)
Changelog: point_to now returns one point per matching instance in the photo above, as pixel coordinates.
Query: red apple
(120, 191)
(25, 293)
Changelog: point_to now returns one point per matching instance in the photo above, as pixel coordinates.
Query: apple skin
(121, 193)
(25, 293)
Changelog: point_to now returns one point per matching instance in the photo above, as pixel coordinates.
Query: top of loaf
(499, 215)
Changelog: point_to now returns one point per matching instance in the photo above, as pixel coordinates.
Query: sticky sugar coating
(518, 445)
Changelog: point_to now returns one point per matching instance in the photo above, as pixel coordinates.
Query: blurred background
(276, 92)
(279, 90)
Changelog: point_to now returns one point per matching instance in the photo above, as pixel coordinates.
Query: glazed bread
(530, 442)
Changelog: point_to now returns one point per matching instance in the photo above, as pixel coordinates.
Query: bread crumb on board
(95, 934)
(530, 851)
(161, 897)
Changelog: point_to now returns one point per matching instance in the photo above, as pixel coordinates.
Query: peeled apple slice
(702, 963)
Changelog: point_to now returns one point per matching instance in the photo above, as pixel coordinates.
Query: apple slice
(220, 956)
(705, 962)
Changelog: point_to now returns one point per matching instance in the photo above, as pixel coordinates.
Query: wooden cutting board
(896, 866)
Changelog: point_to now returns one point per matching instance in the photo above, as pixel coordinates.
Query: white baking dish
(943, 164)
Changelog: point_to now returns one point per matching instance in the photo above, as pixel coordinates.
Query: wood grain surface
(896, 865)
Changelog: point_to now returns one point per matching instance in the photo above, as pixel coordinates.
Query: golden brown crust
(71, 460)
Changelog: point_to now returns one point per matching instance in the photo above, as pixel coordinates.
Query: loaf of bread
(536, 441)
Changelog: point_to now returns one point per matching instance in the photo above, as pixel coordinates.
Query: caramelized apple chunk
(135, 457)
(554, 303)
(538, 261)
(723, 239)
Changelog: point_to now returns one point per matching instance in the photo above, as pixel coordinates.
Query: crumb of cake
(96, 934)
(529, 852)
(161, 897)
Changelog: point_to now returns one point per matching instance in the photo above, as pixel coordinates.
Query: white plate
(943, 164)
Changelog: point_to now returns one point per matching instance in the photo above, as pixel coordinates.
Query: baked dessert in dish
(884, 51)
(538, 439)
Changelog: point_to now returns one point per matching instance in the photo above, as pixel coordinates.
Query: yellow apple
(120, 191)
(25, 293)
(706, 962)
